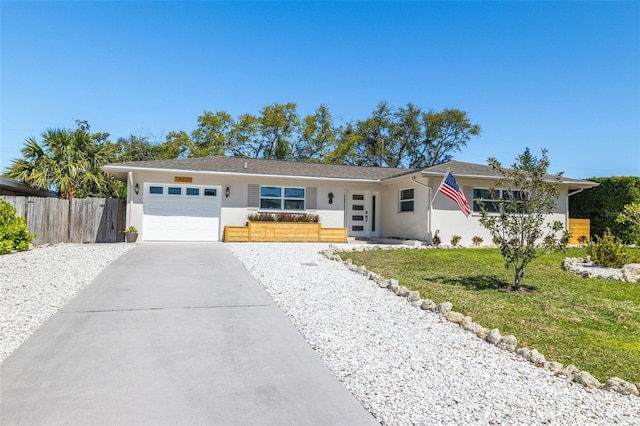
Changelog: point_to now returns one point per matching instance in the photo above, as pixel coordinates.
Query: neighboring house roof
(253, 166)
(14, 187)
(479, 171)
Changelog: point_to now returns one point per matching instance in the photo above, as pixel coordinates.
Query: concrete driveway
(172, 333)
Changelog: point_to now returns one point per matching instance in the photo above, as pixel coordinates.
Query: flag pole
(438, 190)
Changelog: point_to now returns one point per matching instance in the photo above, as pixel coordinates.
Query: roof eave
(458, 174)
(401, 177)
(578, 184)
(121, 172)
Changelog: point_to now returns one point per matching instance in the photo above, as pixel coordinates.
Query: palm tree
(67, 161)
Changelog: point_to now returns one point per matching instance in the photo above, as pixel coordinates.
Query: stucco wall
(446, 218)
(234, 209)
(409, 225)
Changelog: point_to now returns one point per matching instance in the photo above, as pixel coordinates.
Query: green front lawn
(592, 323)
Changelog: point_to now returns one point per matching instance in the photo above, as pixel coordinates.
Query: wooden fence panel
(75, 222)
(579, 228)
(47, 218)
(81, 220)
(108, 225)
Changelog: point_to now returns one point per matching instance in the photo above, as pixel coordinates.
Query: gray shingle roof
(264, 167)
(14, 187)
(254, 166)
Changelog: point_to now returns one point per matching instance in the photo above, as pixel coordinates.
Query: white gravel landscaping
(408, 366)
(405, 365)
(35, 284)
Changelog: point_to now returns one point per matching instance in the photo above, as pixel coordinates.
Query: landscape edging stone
(507, 343)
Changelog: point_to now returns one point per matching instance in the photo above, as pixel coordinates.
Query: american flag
(451, 189)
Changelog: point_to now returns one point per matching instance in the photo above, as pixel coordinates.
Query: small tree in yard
(522, 199)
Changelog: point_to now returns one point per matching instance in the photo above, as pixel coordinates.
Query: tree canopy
(66, 161)
(69, 160)
(407, 137)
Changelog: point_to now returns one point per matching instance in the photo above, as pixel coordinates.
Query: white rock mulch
(35, 284)
(408, 366)
(405, 365)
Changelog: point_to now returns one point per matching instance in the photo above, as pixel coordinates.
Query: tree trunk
(518, 278)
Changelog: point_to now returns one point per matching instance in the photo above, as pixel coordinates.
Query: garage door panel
(191, 215)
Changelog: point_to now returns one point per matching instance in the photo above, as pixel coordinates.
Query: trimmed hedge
(602, 205)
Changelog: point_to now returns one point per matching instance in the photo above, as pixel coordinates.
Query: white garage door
(178, 212)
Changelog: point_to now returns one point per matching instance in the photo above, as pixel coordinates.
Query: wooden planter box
(284, 232)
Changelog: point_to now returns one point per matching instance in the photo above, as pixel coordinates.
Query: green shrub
(609, 251)
(455, 240)
(14, 234)
(283, 217)
(603, 204)
(477, 240)
(436, 241)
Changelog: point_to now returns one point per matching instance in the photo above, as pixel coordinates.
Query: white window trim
(499, 195)
(400, 200)
(282, 199)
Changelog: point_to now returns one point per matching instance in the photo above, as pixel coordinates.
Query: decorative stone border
(508, 343)
(587, 269)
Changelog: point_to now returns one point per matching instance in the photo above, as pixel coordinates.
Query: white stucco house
(193, 199)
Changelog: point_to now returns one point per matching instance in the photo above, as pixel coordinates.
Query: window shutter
(312, 198)
(253, 195)
(468, 194)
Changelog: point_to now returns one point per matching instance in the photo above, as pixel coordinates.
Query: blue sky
(558, 75)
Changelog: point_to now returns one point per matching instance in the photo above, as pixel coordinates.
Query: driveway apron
(172, 333)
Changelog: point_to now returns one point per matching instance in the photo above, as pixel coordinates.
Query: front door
(362, 217)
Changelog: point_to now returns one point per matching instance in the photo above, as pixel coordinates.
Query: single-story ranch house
(193, 199)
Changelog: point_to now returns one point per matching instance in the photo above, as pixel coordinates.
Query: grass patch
(592, 323)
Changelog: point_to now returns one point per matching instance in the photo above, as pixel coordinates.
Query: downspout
(413, 179)
(129, 197)
(566, 216)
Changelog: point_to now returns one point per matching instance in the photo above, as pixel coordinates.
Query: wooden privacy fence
(81, 220)
(579, 228)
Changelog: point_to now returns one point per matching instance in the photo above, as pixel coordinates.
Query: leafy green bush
(455, 240)
(283, 217)
(436, 241)
(14, 234)
(609, 251)
(630, 214)
(603, 204)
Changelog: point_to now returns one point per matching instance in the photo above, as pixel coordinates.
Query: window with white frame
(406, 200)
(281, 198)
(490, 200)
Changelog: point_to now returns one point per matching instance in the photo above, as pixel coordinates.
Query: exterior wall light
(331, 198)
(227, 192)
(137, 188)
